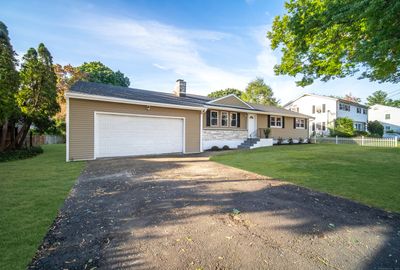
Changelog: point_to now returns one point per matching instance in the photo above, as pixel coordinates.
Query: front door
(252, 125)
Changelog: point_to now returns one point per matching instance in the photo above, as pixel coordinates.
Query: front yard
(32, 190)
(364, 174)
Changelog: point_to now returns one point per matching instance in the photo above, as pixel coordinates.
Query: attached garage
(119, 134)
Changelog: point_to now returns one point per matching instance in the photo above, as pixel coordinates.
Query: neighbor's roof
(326, 97)
(107, 90)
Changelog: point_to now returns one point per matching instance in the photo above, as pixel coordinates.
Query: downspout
(201, 128)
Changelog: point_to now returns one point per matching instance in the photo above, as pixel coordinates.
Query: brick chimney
(180, 88)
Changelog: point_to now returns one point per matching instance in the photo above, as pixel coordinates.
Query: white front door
(252, 125)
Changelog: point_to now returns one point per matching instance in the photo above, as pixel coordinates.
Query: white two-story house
(388, 116)
(326, 110)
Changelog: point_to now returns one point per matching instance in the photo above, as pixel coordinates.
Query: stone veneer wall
(220, 137)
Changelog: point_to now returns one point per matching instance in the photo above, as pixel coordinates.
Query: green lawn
(364, 174)
(32, 190)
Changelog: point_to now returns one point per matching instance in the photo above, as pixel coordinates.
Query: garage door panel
(127, 135)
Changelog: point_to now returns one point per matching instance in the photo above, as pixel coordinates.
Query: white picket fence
(362, 141)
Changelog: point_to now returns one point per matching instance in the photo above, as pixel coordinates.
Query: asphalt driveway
(190, 213)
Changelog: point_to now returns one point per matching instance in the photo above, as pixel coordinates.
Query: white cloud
(172, 48)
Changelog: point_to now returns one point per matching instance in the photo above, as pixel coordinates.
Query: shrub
(215, 148)
(360, 133)
(309, 140)
(20, 153)
(267, 131)
(344, 127)
(225, 147)
(375, 127)
(290, 140)
(300, 140)
(279, 140)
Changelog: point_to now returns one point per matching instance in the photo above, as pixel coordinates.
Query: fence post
(362, 140)
(336, 139)
(395, 141)
(315, 138)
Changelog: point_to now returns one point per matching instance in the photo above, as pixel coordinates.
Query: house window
(214, 118)
(323, 108)
(323, 126)
(364, 111)
(313, 109)
(387, 128)
(358, 110)
(275, 121)
(224, 119)
(318, 126)
(387, 116)
(344, 107)
(300, 123)
(313, 126)
(358, 126)
(233, 119)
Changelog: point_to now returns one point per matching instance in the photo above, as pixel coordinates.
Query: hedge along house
(110, 121)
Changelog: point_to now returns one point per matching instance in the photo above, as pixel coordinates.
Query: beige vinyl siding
(287, 132)
(81, 124)
(243, 120)
(233, 101)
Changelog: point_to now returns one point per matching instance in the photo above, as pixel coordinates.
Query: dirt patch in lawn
(190, 213)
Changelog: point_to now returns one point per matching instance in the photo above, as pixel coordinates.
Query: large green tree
(382, 98)
(326, 39)
(9, 82)
(98, 72)
(37, 96)
(257, 91)
(225, 92)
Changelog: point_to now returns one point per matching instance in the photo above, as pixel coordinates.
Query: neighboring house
(326, 110)
(108, 121)
(388, 116)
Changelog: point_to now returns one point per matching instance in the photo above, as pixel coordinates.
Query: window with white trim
(300, 123)
(275, 121)
(364, 111)
(233, 119)
(358, 110)
(344, 107)
(214, 118)
(224, 119)
(387, 116)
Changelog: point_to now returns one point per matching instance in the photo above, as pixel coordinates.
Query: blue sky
(210, 44)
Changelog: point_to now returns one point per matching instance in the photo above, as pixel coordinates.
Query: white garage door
(132, 135)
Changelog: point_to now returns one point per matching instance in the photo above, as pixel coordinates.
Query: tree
(375, 128)
(37, 96)
(98, 72)
(225, 92)
(378, 97)
(258, 92)
(329, 39)
(344, 127)
(9, 82)
(66, 76)
(350, 97)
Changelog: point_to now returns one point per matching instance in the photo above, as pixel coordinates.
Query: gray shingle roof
(106, 90)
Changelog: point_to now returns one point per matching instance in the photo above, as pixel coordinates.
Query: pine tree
(9, 82)
(37, 97)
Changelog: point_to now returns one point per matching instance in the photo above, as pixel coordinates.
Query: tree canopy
(257, 91)
(327, 39)
(382, 98)
(9, 81)
(225, 92)
(37, 96)
(98, 72)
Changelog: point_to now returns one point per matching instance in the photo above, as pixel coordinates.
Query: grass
(365, 174)
(32, 191)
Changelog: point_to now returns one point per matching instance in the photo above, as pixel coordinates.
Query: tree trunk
(30, 139)
(4, 136)
(13, 132)
(22, 134)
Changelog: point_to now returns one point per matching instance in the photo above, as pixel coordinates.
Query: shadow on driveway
(190, 213)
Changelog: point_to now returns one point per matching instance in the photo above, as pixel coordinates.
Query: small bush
(301, 140)
(344, 127)
(279, 140)
(360, 133)
(20, 153)
(215, 148)
(290, 140)
(375, 127)
(309, 140)
(267, 131)
(225, 147)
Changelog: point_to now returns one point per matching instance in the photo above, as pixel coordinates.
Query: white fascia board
(129, 101)
(230, 95)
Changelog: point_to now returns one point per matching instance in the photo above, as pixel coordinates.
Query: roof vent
(180, 88)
